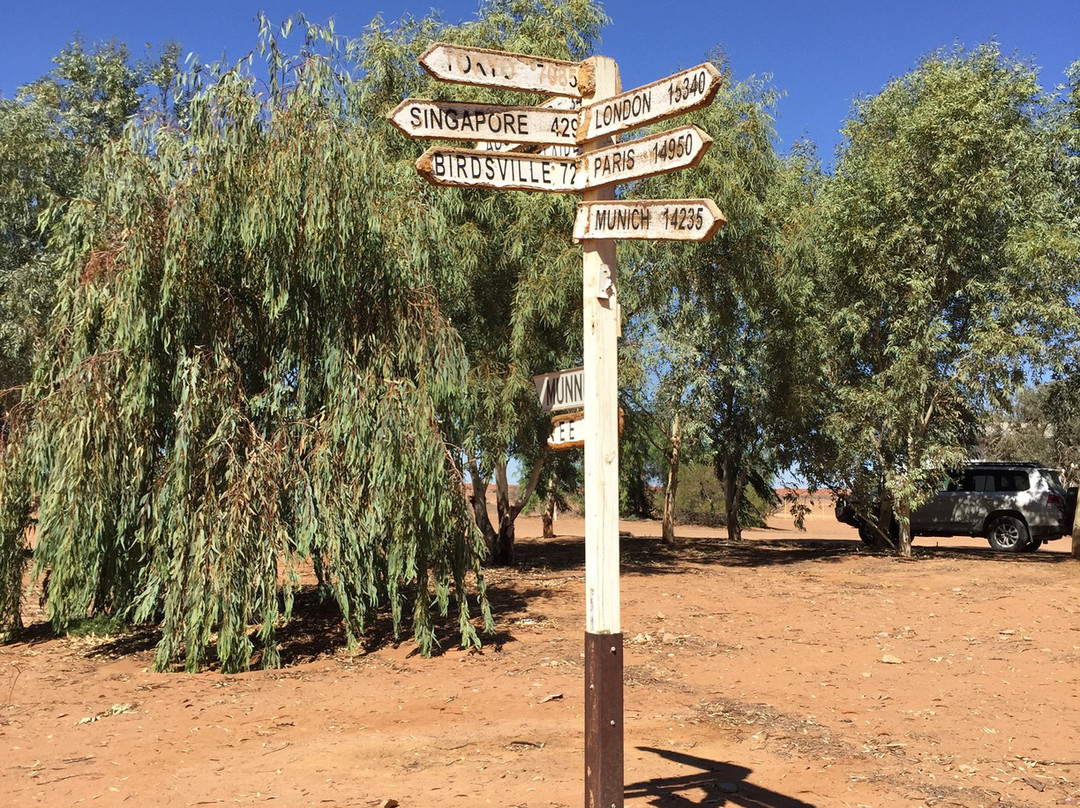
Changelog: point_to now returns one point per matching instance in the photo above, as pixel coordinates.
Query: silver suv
(1014, 506)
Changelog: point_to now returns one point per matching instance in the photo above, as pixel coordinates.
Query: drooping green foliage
(48, 131)
(952, 261)
(513, 275)
(249, 367)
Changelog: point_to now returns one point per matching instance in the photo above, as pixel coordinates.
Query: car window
(1012, 481)
(973, 480)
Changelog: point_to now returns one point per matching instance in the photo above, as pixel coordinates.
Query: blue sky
(822, 54)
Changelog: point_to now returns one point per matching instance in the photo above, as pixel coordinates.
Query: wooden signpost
(498, 163)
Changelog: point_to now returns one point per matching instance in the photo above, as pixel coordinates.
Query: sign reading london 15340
(676, 95)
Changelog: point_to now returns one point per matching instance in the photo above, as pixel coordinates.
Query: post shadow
(724, 784)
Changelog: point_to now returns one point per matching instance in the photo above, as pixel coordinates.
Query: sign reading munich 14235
(652, 219)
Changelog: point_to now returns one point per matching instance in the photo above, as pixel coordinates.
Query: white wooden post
(603, 638)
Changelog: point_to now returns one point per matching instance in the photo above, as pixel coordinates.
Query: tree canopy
(952, 267)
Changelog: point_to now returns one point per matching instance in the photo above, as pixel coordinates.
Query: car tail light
(1055, 500)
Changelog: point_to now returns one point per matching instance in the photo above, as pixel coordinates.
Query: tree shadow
(722, 784)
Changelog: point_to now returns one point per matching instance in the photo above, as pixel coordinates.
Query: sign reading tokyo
(452, 120)
(512, 171)
(676, 95)
(668, 151)
(513, 71)
(561, 390)
(654, 219)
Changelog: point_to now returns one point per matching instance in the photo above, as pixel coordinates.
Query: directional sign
(561, 390)
(635, 159)
(514, 71)
(653, 219)
(556, 103)
(452, 120)
(484, 169)
(676, 95)
(567, 431)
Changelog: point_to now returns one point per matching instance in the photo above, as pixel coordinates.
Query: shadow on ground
(709, 782)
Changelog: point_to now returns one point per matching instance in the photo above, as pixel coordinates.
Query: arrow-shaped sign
(453, 120)
(652, 219)
(572, 105)
(635, 159)
(476, 168)
(514, 71)
(561, 390)
(676, 95)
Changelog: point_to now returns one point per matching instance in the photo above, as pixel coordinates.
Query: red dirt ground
(789, 670)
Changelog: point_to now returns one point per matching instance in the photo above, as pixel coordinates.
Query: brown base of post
(603, 721)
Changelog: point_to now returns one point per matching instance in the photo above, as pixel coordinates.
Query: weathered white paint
(557, 102)
(676, 95)
(601, 450)
(454, 120)
(567, 431)
(651, 219)
(514, 71)
(513, 171)
(635, 159)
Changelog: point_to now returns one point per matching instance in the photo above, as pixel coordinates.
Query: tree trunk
(731, 501)
(478, 499)
(672, 487)
(501, 547)
(550, 510)
(902, 515)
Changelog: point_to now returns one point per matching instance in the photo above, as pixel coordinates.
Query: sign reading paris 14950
(658, 154)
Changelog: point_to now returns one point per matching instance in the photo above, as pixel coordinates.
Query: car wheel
(868, 535)
(1008, 534)
(1033, 545)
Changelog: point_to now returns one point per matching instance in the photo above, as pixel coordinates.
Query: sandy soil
(792, 669)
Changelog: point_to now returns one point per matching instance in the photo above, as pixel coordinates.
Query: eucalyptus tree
(48, 131)
(732, 314)
(512, 276)
(952, 259)
(248, 368)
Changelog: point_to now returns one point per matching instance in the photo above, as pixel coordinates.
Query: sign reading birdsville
(635, 159)
(575, 132)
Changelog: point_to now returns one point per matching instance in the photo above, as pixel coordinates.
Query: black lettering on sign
(633, 219)
(624, 109)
